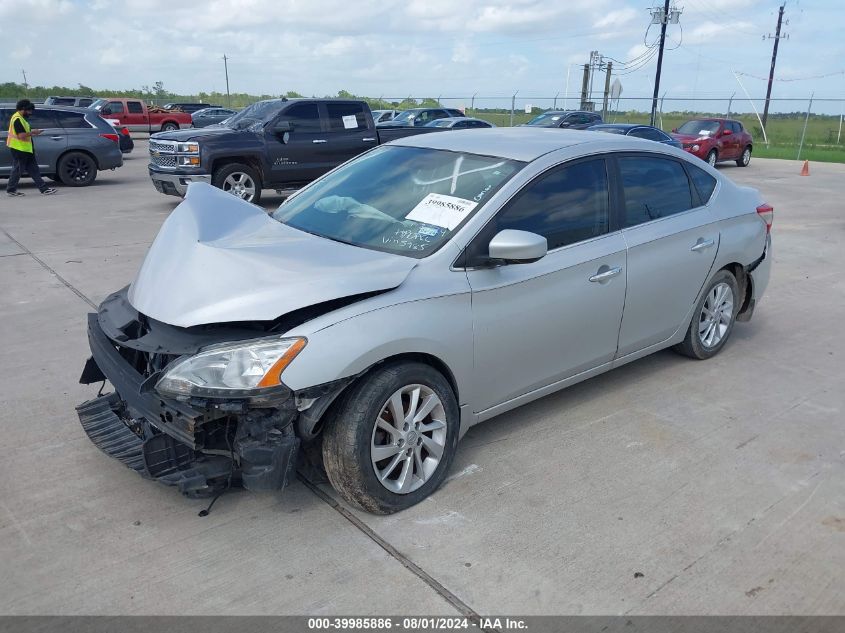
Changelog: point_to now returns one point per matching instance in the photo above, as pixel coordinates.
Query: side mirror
(281, 127)
(565, 124)
(675, 130)
(726, 132)
(518, 247)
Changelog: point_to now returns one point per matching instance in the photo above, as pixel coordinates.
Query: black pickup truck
(276, 144)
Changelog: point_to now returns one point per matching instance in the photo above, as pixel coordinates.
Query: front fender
(440, 327)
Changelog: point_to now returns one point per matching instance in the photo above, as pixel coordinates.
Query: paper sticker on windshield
(442, 210)
(704, 133)
(350, 122)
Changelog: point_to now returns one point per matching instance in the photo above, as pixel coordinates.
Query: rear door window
(84, 103)
(654, 188)
(346, 116)
(43, 119)
(71, 120)
(134, 107)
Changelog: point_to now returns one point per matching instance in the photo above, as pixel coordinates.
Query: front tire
(76, 169)
(391, 438)
(745, 158)
(169, 127)
(712, 157)
(240, 180)
(713, 319)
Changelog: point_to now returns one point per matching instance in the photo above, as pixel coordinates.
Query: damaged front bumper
(200, 446)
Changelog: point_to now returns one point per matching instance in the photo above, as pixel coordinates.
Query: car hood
(218, 259)
(193, 134)
(689, 138)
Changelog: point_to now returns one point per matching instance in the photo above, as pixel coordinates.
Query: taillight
(767, 213)
(124, 131)
(111, 137)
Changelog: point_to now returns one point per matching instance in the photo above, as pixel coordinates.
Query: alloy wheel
(241, 185)
(716, 315)
(746, 156)
(409, 438)
(78, 168)
(711, 159)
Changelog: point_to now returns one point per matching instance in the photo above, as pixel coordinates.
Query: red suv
(715, 140)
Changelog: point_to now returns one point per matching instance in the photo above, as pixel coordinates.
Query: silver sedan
(419, 289)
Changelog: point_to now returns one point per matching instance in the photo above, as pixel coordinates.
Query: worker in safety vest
(19, 142)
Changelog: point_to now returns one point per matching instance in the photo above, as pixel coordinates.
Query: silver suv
(75, 145)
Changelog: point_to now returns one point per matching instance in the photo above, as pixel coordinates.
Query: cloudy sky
(420, 47)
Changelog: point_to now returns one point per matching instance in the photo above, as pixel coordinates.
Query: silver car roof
(516, 143)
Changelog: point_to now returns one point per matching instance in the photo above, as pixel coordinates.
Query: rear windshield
(547, 119)
(402, 200)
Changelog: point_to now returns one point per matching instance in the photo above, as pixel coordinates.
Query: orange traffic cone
(805, 170)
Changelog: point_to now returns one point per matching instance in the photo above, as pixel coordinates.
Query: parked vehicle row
(74, 146)
(417, 290)
(210, 116)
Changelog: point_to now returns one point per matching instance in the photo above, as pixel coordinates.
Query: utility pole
(25, 84)
(664, 15)
(606, 90)
(777, 39)
(585, 82)
(226, 68)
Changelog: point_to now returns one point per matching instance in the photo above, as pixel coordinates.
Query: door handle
(57, 138)
(319, 140)
(702, 245)
(368, 139)
(604, 275)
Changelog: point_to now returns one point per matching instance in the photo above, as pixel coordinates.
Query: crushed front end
(199, 444)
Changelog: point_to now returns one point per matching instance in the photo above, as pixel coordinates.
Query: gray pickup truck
(277, 144)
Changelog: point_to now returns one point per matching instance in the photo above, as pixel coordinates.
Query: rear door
(348, 134)
(295, 156)
(51, 143)
(538, 323)
(5, 154)
(672, 242)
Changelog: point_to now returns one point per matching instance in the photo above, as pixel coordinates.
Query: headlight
(695, 148)
(236, 370)
(189, 161)
(188, 148)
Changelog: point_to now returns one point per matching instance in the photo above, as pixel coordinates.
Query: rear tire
(745, 158)
(240, 180)
(381, 462)
(76, 169)
(169, 127)
(712, 158)
(713, 318)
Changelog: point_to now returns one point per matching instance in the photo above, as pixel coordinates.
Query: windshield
(260, 112)
(699, 128)
(548, 119)
(405, 117)
(402, 200)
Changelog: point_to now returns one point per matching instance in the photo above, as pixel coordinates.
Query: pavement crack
(50, 270)
(406, 562)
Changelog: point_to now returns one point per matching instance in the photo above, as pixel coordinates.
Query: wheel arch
(745, 283)
(246, 159)
(310, 425)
